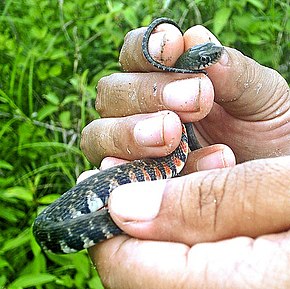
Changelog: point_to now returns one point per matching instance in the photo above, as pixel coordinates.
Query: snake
(80, 218)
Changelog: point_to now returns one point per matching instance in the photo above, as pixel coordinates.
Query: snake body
(79, 218)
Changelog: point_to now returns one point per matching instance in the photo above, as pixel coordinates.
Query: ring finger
(132, 137)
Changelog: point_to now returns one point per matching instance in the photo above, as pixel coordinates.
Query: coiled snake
(79, 218)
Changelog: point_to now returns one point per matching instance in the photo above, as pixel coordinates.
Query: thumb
(249, 199)
(251, 113)
(248, 90)
(243, 87)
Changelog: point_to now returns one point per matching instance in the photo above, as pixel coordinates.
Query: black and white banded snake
(79, 218)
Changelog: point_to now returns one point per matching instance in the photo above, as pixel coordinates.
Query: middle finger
(122, 94)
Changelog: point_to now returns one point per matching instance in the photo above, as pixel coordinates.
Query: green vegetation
(52, 53)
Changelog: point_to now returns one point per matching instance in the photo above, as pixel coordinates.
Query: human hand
(246, 208)
(247, 106)
(251, 199)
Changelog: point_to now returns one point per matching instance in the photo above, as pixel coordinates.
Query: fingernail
(150, 131)
(183, 95)
(219, 159)
(137, 201)
(109, 162)
(86, 174)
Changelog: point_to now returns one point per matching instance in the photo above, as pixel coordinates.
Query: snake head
(200, 56)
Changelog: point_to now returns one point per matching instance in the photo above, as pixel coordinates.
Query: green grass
(52, 53)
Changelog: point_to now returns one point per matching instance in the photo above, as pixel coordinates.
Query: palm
(249, 139)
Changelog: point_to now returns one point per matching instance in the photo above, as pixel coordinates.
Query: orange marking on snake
(146, 175)
(157, 173)
(167, 169)
(177, 162)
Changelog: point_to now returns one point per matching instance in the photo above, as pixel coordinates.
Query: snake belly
(80, 219)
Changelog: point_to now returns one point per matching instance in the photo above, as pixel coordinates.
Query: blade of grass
(21, 81)
(8, 3)
(30, 86)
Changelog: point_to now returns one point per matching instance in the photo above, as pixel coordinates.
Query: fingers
(235, 263)
(250, 199)
(133, 137)
(212, 157)
(189, 95)
(132, 93)
(165, 45)
(143, 136)
(207, 158)
(236, 121)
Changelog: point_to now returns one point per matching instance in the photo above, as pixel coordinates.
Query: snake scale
(79, 218)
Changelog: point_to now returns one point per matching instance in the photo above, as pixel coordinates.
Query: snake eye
(217, 55)
(204, 59)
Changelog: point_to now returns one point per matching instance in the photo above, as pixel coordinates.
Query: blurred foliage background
(52, 54)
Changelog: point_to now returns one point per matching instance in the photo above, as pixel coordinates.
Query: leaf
(82, 264)
(52, 98)
(11, 214)
(46, 111)
(70, 98)
(4, 263)
(221, 19)
(35, 249)
(36, 266)
(7, 181)
(30, 280)
(243, 22)
(42, 71)
(20, 240)
(258, 4)
(95, 282)
(48, 199)
(38, 33)
(69, 260)
(5, 165)
(130, 17)
(67, 281)
(65, 119)
(56, 54)
(230, 37)
(55, 70)
(255, 39)
(20, 193)
(96, 20)
(62, 260)
(2, 281)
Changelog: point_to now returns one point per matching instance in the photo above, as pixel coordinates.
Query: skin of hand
(220, 225)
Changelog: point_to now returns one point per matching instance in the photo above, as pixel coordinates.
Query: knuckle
(211, 190)
(267, 86)
(207, 199)
(121, 142)
(94, 142)
(85, 140)
(102, 91)
(117, 142)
